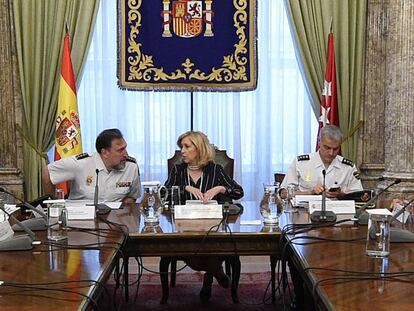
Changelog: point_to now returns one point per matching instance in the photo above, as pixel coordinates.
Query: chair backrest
(221, 158)
(279, 177)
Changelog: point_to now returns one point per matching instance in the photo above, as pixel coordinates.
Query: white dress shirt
(81, 171)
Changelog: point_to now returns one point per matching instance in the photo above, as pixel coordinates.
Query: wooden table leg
(126, 280)
(164, 264)
(236, 268)
(273, 261)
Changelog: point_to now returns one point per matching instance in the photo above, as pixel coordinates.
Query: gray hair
(331, 131)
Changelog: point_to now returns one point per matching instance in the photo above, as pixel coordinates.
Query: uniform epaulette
(304, 157)
(82, 156)
(131, 159)
(347, 162)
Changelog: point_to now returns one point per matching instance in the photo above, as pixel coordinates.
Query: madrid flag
(329, 104)
(67, 136)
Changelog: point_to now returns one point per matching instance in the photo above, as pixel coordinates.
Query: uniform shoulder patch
(82, 156)
(356, 175)
(304, 157)
(131, 159)
(347, 162)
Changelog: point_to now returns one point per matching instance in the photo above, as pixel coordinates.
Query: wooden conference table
(175, 238)
(84, 270)
(363, 283)
(179, 238)
(55, 277)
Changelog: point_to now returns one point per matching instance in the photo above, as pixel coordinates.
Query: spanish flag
(68, 136)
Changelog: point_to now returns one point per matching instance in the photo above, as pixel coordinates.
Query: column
(208, 19)
(399, 100)
(11, 154)
(166, 14)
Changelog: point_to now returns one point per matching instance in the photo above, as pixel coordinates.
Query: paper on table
(198, 211)
(379, 211)
(252, 222)
(338, 207)
(114, 205)
(80, 203)
(11, 208)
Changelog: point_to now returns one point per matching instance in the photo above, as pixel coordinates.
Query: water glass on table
(290, 202)
(57, 217)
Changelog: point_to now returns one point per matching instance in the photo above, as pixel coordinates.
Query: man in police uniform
(306, 172)
(118, 178)
(341, 174)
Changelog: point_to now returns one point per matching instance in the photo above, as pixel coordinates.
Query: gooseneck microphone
(361, 214)
(37, 223)
(323, 215)
(19, 242)
(100, 208)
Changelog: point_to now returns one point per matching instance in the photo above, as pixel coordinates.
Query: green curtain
(40, 29)
(310, 23)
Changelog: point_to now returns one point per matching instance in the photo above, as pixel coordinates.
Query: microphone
(100, 208)
(361, 214)
(19, 242)
(323, 215)
(398, 235)
(37, 223)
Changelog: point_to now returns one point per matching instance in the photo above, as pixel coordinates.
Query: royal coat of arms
(67, 130)
(187, 17)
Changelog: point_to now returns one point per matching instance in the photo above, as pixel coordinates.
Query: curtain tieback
(26, 138)
(353, 130)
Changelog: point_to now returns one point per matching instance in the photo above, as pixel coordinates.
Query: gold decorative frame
(231, 76)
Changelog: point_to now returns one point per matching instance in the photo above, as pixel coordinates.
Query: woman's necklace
(193, 167)
(189, 182)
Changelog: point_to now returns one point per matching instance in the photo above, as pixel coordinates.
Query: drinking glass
(290, 202)
(57, 217)
(175, 198)
(270, 205)
(378, 235)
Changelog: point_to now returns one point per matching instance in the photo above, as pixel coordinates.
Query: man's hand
(318, 189)
(128, 200)
(337, 193)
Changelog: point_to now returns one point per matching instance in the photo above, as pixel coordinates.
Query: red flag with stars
(329, 103)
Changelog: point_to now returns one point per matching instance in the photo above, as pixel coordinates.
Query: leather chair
(232, 263)
(279, 177)
(221, 158)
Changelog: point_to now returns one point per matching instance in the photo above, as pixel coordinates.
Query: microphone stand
(399, 235)
(100, 208)
(323, 215)
(361, 214)
(19, 242)
(37, 223)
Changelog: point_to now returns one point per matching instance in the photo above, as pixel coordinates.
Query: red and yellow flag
(68, 136)
(329, 103)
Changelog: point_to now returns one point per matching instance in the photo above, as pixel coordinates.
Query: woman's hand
(195, 192)
(211, 193)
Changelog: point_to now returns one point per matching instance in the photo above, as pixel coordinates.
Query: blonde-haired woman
(199, 178)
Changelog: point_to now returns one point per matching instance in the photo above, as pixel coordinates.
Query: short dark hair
(105, 138)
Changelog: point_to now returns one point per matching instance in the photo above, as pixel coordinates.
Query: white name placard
(80, 210)
(198, 211)
(338, 207)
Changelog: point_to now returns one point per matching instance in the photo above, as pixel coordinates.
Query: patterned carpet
(254, 294)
